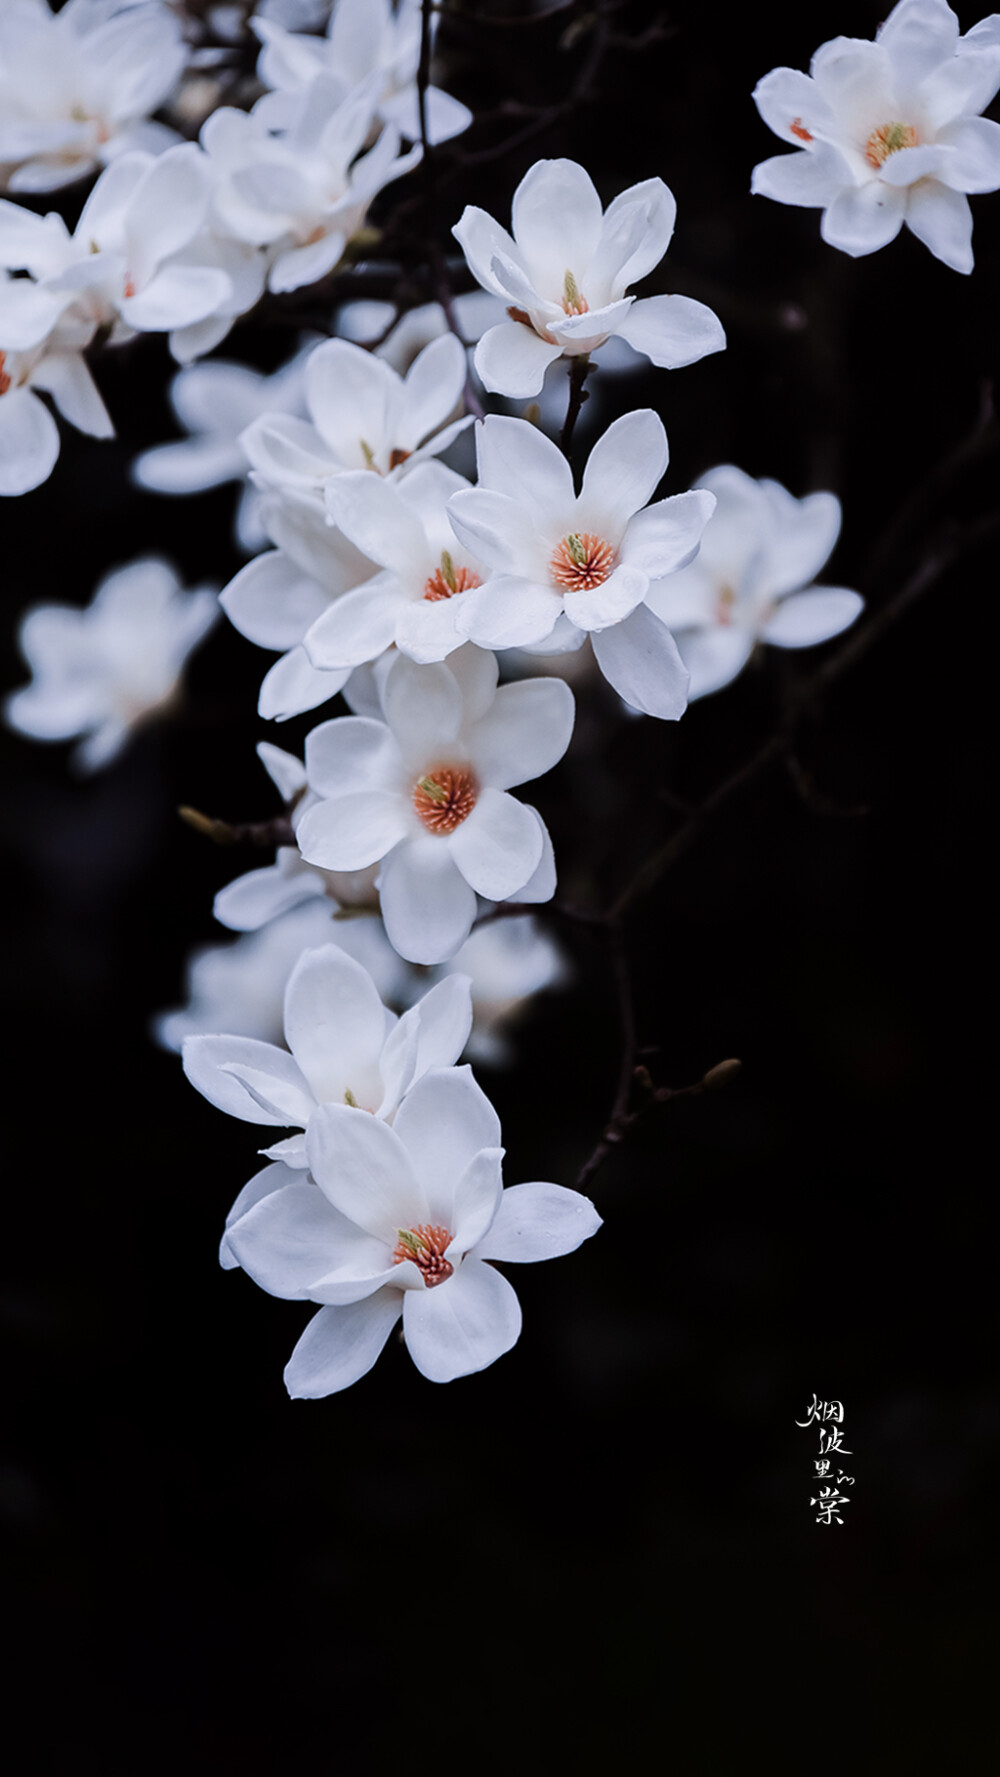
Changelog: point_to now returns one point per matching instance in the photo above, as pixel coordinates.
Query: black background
(598, 1554)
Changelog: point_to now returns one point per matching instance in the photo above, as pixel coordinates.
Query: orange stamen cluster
(888, 139)
(425, 1246)
(798, 128)
(4, 378)
(445, 797)
(437, 587)
(581, 561)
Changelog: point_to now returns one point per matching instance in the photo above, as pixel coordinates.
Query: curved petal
(480, 239)
(334, 1022)
(975, 164)
(512, 359)
(799, 536)
(358, 626)
(509, 612)
(790, 103)
(810, 179)
(498, 847)
(294, 1236)
(444, 1121)
(294, 685)
(863, 218)
(516, 459)
(665, 537)
(378, 521)
(340, 1345)
(807, 618)
(350, 832)
(623, 472)
(423, 707)
(427, 905)
(525, 732)
(29, 442)
(217, 1067)
(539, 1221)
(352, 753)
(272, 1178)
(635, 234)
(271, 603)
(464, 1324)
(942, 219)
(432, 389)
(640, 659)
(477, 1198)
(556, 219)
(672, 330)
(714, 657)
(362, 1167)
(261, 895)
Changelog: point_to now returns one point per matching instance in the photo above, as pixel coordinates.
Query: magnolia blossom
(239, 987)
(29, 436)
(760, 549)
(301, 194)
(123, 268)
(215, 403)
(424, 791)
(567, 565)
(102, 671)
(363, 415)
(889, 132)
(507, 961)
(406, 1221)
(416, 600)
(565, 274)
(344, 1047)
(363, 38)
(78, 87)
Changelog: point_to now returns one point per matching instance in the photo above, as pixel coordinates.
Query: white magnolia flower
(410, 1220)
(760, 549)
(364, 38)
(424, 791)
(565, 274)
(363, 415)
(344, 1047)
(415, 601)
(215, 403)
(276, 599)
(29, 436)
(567, 565)
(102, 671)
(304, 193)
(259, 896)
(123, 268)
(239, 988)
(78, 87)
(889, 132)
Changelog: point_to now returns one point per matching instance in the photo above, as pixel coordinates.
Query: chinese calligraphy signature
(828, 1416)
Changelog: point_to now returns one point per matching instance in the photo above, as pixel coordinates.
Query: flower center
(574, 301)
(581, 561)
(447, 580)
(426, 1247)
(724, 608)
(888, 139)
(4, 378)
(445, 797)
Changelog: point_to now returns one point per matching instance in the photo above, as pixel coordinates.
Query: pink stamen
(4, 378)
(436, 586)
(425, 1246)
(581, 561)
(445, 797)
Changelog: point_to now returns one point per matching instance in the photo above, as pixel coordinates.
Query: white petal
(443, 1020)
(271, 602)
(598, 607)
(810, 179)
(358, 626)
(378, 521)
(863, 218)
(29, 442)
(261, 895)
(539, 1221)
(340, 1345)
(810, 617)
(512, 360)
(444, 1122)
(786, 97)
(334, 1022)
(175, 297)
(272, 1178)
(480, 239)
(975, 165)
(498, 847)
(640, 659)
(666, 537)
(352, 753)
(294, 1236)
(524, 734)
(294, 685)
(509, 612)
(518, 460)
(427, 905)
(350, 832)
(464, 1324)
(672, 330)
(623, 472)
(477, 1198)
(432, 389)
(942, 219)
(361, 1165)
(423, 707)
(714, 657)
(635, 234)
(209, 1063)
(541, 884)
(66, 377)
(556, 218)
(918, 35)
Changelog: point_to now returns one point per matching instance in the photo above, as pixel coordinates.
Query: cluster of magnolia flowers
(429, 601)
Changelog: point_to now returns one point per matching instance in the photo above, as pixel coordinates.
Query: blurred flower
(29, 436)
(77, 87)
(761, 547)
(102, 671)
(565, 273)
(889, 132)
(406, 1221)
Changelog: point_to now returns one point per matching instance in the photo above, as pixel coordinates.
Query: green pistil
(571, 292)
(448, 571)
(577, 549)
(432, 789)
(411, 1241)
(350, 1099)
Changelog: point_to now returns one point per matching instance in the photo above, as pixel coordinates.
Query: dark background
(599, 1554)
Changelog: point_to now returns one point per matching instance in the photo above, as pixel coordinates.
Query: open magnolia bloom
(344, 1047)
(406, 1221)
(415, 601)
(424, 792)
(103, 671)
(507, 961)
(565, 274)
(78, 87)
(566, 565)
(363, 415)
(363, 38)
(29, 436)
(889, 132)
(752, 581)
